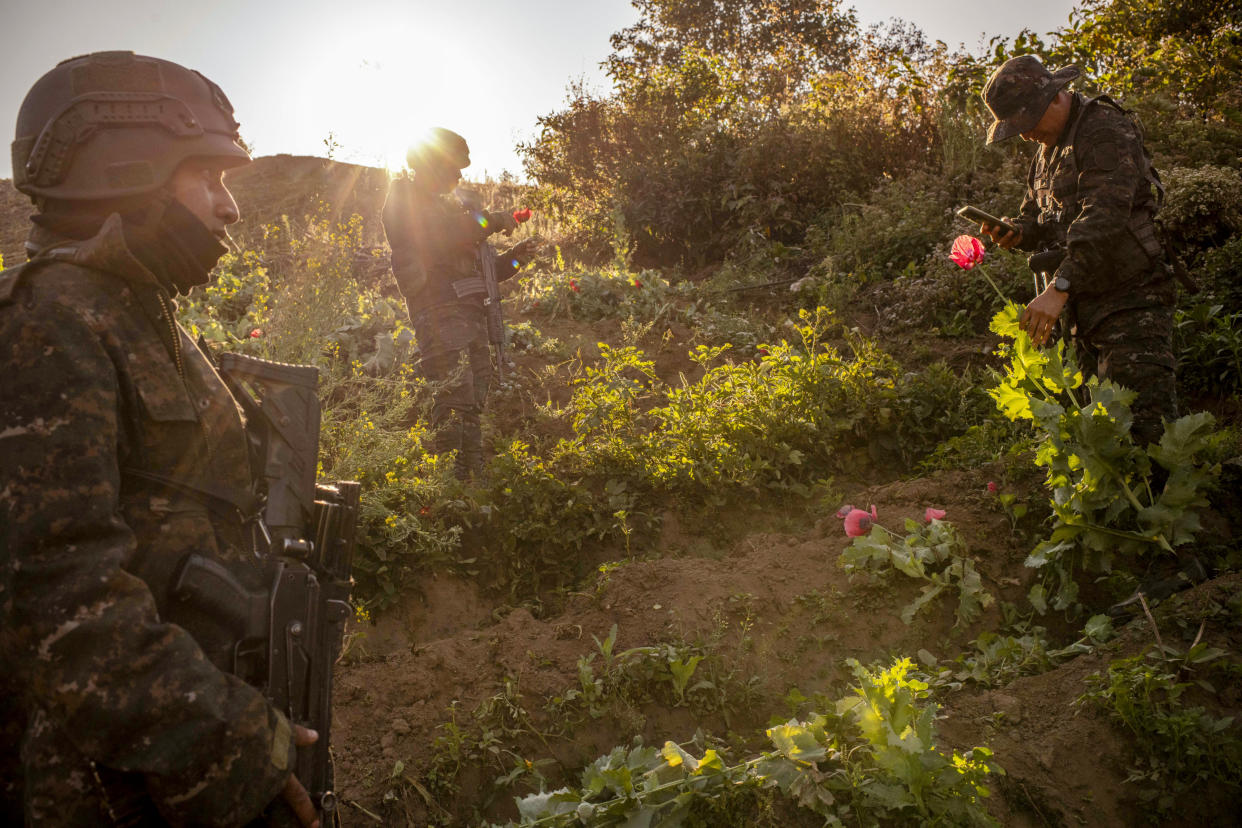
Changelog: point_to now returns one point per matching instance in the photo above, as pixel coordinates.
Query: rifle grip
(210, 586)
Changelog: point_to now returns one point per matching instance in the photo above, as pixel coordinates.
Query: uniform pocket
(164, 396)
(167, 435)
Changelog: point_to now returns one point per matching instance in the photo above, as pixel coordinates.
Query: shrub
(1203, 207)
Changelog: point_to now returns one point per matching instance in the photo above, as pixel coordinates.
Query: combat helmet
(115, 124)
(439, 146)
(1018, 94)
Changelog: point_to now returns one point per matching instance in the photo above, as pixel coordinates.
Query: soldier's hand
(1041, 315)
(294, 794)
(524, 251)
(1007, 239)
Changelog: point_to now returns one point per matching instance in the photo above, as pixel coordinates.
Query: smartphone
(977, 216)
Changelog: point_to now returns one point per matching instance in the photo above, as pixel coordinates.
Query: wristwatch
(1062, 284)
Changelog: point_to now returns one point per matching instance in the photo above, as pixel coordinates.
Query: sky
(360, 79)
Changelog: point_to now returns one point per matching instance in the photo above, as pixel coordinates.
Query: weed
(872, 757)
(1179, 746)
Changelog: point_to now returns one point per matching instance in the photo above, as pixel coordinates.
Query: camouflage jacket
(1096, 194)
(110, 683)
(435, 241)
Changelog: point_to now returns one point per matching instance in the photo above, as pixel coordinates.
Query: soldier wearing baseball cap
(1091, 200)
(1019, 92)
(119, 444)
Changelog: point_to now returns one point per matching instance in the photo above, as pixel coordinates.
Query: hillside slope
(454, 700)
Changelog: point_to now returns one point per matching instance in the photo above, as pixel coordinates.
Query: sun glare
(381, 92)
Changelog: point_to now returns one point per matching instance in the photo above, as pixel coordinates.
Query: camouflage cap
(1018, 94)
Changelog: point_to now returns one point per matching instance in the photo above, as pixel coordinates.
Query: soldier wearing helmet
(441, 259)
(120, 452)
(1092, 194)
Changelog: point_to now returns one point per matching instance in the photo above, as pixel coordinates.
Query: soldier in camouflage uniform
(1092, 191)
(121, 453)
(439, 242)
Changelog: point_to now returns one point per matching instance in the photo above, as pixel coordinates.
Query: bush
(1203, 207)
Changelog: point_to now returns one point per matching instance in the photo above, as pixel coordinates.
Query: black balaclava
(160, 231)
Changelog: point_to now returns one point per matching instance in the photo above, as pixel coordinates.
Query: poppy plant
(522, 215)
(859, 523)
(967, 251)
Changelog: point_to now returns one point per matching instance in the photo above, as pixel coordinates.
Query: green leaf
(796, 742)
(1038, 596)
(1099, 628)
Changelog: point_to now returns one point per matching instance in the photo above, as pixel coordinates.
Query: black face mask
(162, 233)
(176, 246)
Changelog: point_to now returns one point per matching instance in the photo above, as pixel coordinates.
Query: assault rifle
(288, 635)
(1044, 263)
(491, 305)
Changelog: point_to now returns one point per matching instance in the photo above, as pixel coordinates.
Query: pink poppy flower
(256, 333)
(858, 523)
(522, 215)
(933, 514)
(992, 487)
(967, 252)
(844, 510)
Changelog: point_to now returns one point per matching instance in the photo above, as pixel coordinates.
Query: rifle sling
(242, 506)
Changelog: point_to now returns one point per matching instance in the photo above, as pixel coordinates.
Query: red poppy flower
(992, 487)
(256, 333)
(933, 514)
(426, 510)
(573, 285)
(522, 215)
(858, 523)
(637, 283)
(967, 252)
(843, 511)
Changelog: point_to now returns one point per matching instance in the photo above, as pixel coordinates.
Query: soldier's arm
(83, 635)
(1108, 179)
(510, 261)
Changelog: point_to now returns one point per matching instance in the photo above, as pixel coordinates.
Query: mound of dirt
(780, 600)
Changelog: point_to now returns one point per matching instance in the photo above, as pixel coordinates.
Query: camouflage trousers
(1134, 348)
(457, 359)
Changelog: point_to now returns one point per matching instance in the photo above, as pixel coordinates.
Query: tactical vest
(1054, 180)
